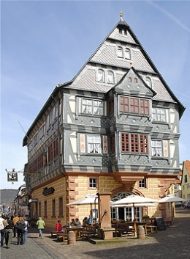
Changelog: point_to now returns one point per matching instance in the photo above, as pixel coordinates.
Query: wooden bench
(88, 231)
(150, 229)
(124, 229)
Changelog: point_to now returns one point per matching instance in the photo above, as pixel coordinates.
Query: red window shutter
(105, 144)
(82, 143)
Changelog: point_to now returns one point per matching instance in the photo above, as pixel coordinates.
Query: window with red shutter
(133, 105)
(134, 143)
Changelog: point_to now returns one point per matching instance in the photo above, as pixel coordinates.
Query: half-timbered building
(113, 129)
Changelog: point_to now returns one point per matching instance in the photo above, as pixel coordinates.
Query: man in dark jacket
(20, 227)
(8, 231)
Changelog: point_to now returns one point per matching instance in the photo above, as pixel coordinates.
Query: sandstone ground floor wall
(54, 197)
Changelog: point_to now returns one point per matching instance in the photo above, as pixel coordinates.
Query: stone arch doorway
(126, 213)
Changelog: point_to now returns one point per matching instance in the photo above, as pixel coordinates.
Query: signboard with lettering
(48, 191)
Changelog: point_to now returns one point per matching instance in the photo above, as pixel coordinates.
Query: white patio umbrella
(88, 199)
(171, 198)
(134, 201)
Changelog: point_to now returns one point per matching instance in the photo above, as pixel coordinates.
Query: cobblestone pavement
(170, 244)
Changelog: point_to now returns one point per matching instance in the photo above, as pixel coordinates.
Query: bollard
(140, 232)
(71, 238)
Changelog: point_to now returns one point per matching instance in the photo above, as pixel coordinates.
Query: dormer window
(127, 53)
(101, 76)
(110, 77)
(149, 81)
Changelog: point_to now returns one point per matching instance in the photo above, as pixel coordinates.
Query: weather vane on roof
(121, 16)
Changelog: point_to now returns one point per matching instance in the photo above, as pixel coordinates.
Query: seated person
(72, 224)
(77, 223)
(58, 226)
(85, 221)
(90, 220)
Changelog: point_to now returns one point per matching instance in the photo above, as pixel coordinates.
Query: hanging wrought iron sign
(12, 176)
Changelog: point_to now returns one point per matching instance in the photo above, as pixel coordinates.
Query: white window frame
(93, 143)
(156, 148)
(123, 52)
(120, 53)
(159, 114)
(110, 77)
(143, 183)
(127, 53)
(92, 182)
(101, 75)
(148, 81)
(93, 107)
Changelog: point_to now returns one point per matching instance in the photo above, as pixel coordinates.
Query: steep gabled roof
(141, 87)
(122, 24)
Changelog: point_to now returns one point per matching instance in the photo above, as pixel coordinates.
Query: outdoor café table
(76, 230)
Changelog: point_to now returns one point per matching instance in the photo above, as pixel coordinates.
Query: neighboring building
(185, 182)
(7, 197)
(21, 201)
(114, 129)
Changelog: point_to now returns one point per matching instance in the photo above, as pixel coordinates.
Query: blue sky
(44, 43)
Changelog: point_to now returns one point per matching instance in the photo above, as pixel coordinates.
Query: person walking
(8, 223)
(15, 220)
(20, 227)
(41, 225)
(2, 229)
(25, 234)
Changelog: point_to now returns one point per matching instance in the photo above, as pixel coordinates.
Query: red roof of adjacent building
(187, 166)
